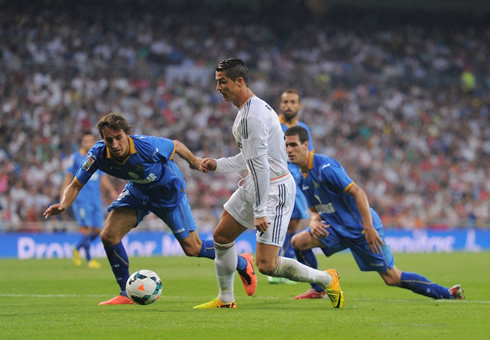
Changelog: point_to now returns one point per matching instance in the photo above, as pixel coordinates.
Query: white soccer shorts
(280, 204)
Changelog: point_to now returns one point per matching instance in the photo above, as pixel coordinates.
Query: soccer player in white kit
(265, 198)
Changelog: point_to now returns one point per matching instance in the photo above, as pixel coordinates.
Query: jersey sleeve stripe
(348, 187)
(256, 184)
(76, 179)
(173, 153)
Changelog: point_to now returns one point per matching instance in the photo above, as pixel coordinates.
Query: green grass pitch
(51, 299)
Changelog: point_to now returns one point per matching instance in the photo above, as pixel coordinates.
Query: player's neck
(243, 97)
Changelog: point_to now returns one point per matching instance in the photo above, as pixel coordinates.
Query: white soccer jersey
(259, 136)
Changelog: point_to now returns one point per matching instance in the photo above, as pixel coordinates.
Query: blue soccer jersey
(87, 208)
(91, 190)
(325, 189)
(300, 206)
(149, 168)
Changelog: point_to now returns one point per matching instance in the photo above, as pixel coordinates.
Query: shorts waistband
(282, 178)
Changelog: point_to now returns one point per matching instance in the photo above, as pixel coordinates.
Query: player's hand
(54, 209)
(196, 164)
(208, 164)
(374, 241)
(261, 224)
(319, 229)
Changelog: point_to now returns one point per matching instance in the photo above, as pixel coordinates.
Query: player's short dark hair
(233, 68)
(86, 133)
(113, 121)
(292, 91)
(297, 131)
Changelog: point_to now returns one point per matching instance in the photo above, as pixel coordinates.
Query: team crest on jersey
(316, 185)
(239, 145)
(88, 162)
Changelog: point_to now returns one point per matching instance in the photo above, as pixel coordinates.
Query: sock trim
(120, 258)
(223, 246)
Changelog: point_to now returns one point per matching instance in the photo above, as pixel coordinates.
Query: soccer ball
(144, 287)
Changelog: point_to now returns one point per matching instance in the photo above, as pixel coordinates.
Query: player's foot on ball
(248, 276)
(310, 294)
(118, 300)
(76, 258)
(457, 291)
(214, 304)
(334, 292)
(93, 264)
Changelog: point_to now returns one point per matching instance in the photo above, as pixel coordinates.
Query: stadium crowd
(405, 108)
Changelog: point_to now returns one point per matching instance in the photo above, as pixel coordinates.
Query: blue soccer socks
(207, 250)
(119, 263)
(287, 248)
(308, 258)
(421, 285)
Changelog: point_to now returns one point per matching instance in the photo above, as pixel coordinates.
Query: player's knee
(391, 280)
(108, 239)
(266, 268)
(220, 238)
(299, 243)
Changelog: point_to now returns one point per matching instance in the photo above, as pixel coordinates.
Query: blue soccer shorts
(365, 258)
(179, 218)
(88, 214)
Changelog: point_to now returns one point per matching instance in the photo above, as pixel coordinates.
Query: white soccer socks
(293, 270)
(225, 264)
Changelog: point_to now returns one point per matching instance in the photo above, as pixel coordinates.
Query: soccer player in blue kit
(155, 184)
(87, 208)
(289, 106)
(342, 218)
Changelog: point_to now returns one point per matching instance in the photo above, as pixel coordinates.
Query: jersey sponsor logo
(133, 175)
(325, 208)
(88, 162)
(150, 178)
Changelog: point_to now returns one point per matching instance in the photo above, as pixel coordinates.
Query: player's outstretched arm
(372, 237)
(69, 195)
(186, 154)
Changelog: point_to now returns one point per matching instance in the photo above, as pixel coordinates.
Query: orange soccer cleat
(118, 300)
(248, 276)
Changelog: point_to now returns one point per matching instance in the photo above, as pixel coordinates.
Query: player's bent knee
(109, 239)
(266, 268)
(299, 242)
